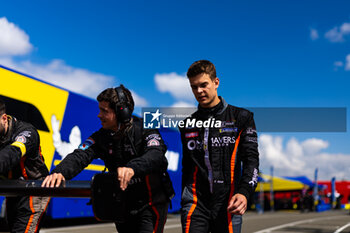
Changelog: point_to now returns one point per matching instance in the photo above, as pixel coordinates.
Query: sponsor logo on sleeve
(87, 144)
(254, 180)
(22, 137)
(252, 139)
(251, 131)
(153, 136)
(153, 142)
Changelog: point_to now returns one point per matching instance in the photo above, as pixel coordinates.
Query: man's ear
(216, 82)
(4, 117)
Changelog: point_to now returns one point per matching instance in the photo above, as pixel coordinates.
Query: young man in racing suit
(137, 156)
(220, 160)
(21, 159)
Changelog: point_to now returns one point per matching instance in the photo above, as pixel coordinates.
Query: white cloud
(178, 86)
(78, 80)
(313, 146)
(139, 101)
(334, 35)
(345, 28)
(58, 73)
(314, 34)
(301, 158)
(347, 62)
(13, 40)
(338, 63)
(337, 34)
(183, 104)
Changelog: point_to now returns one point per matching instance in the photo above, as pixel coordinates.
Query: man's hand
(237, 204)
(51, 180)
(124, 176)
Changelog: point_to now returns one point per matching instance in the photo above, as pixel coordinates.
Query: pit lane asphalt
(274, 222)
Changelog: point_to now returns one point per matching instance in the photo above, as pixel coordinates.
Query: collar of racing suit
(213, 111)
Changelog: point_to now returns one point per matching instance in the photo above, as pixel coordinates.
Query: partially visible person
(21, 159)
(137, 155)
(220, 163)
(303, 199)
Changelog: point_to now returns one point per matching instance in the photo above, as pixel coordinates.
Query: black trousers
(150, 219)
(197, 217)
(25, 213)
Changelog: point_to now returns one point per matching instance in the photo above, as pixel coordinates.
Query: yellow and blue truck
(64, 119)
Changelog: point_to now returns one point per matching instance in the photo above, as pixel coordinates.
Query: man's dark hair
(2, 107)
(110, 95)
(200, 67)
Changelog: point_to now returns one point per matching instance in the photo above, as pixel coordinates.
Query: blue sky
(267, 54)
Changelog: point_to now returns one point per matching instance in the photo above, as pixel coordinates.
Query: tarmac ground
(275, 222)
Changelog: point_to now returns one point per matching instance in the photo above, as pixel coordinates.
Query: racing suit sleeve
(153, 158)
(248, 150)
(10, 155)
(80, 158)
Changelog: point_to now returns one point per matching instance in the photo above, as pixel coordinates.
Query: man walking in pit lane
(220, 164)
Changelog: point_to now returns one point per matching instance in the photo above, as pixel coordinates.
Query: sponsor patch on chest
(222, 141)
(194, 144)
(228, 130)
(228, 123)
(191, 135)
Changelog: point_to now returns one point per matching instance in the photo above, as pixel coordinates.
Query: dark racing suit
(147, 200)
(218, 162)
(20, 158)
